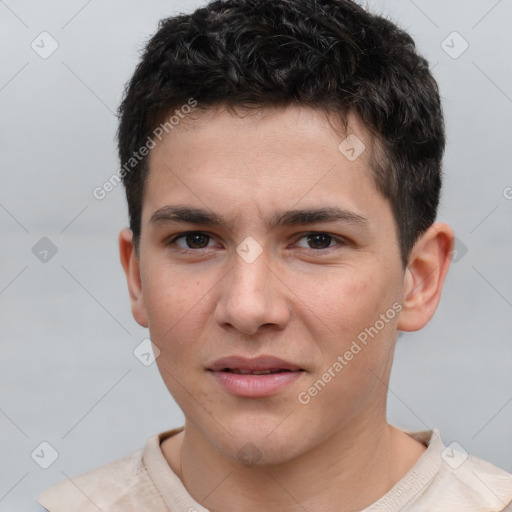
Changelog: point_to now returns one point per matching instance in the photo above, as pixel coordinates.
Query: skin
(300, 300)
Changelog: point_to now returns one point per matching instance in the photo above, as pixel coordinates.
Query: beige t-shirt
(442, 480)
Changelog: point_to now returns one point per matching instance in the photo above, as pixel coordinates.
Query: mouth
(262, 365)
(239, 371)
(256, 372)
(255, 378)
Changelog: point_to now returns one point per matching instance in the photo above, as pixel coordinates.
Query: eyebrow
(193, 215)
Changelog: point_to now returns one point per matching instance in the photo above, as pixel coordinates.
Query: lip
(255, 364)
(254, 386)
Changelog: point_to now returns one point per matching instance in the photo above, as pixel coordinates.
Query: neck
(347, 473)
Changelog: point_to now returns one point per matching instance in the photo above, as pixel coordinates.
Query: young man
(282, 164)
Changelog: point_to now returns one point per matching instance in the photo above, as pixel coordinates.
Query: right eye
(192, 239)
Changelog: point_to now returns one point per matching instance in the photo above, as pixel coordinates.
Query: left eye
(320, 240)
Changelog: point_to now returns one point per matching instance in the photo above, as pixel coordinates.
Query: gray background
(68, 375)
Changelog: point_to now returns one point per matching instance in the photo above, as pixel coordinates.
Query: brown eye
(318, 241)
(192, 240)
(196, 239)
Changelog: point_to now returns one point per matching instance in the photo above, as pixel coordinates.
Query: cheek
(174, 306)
(346, 301)
(351, 325)
(169, 292)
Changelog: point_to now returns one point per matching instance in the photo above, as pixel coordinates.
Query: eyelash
(171, 241)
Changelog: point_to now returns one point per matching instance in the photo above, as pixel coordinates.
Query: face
(307, 290)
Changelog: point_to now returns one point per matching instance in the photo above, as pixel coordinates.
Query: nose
(252, 297)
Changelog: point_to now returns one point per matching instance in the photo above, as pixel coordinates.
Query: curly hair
(330, 55)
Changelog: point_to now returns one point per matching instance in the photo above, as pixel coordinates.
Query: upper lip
(256, 364)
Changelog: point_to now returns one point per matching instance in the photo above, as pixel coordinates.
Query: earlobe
(425, 276)
(131, 266)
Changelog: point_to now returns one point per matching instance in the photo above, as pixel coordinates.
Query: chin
(265, 445)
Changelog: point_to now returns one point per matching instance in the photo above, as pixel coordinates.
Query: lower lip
(255, 385)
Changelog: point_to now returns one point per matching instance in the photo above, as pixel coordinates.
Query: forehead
(262, 162)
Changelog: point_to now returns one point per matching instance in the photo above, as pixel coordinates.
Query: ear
(425, 275)
(131, 267)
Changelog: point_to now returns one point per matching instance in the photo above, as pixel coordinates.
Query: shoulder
(445, 479)
(482, 484)
(475, 485)
(123, 485)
